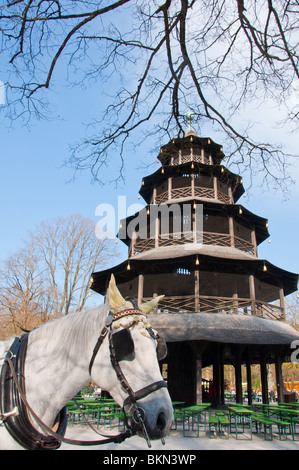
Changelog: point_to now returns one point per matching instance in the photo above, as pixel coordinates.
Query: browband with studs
(125, 313)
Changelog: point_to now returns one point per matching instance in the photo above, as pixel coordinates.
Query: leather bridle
(17, 421)
(137, 413)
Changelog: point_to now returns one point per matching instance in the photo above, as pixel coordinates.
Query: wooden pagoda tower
(222, 304)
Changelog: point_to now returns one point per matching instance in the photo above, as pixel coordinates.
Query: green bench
(213, 423)
(268, 424)
(218, 423)
(261, 420)
(224, 424)
(178, 417)
(282, 428)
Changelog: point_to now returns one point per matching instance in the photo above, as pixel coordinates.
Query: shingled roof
(223, 328)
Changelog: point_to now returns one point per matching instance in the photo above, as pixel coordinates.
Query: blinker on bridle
(121, 346)
(122, 340)
(124, 344)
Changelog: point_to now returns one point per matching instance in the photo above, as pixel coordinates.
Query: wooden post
(181, 373)
(140, 288)
(264, 379)
(249, 381)
(221, 366)
(196, 290)
(192, 185)
(157, 230)
(279, 376)
(194, 226)
(282, 303)
(253, 241)
(252, 294)
(215, 187)
(199, 349)
(169, 187)
(154, 195)
(231, 231)
(230, 195)
(133, 241)
(198, 379)
(235, 303)
(216, 372)
(238, 375)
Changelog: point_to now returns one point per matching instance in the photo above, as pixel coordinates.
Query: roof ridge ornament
(190, 116)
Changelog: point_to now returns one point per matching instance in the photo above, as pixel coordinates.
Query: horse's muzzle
(158, 425)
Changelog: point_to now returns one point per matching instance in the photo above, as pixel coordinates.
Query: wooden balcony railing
(225, 305)
(143, 245)
(187, 191)
(190, 156)
(208, 238)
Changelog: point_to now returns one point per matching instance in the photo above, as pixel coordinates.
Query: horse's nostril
(161, 421)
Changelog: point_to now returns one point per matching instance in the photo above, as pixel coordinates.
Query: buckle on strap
(109, 319)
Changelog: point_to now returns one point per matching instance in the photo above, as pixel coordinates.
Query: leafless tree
(70, 251)
(51, 275)
(155, 59)
(292, 310)
(25, 299)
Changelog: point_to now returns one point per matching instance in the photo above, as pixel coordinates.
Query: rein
(39, 441)
(116, 438)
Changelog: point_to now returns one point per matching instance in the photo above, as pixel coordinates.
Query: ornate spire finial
(190, 117)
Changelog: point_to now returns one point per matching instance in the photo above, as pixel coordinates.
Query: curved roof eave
(287, 279)
(222, 328)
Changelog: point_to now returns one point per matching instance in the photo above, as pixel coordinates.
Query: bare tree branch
(51, 275)
(215, 56)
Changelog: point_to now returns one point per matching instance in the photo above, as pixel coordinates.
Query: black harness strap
(115, 438)
(12, 391)
(100, 340)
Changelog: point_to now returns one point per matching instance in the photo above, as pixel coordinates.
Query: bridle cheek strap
(133, 397)
(100, 340)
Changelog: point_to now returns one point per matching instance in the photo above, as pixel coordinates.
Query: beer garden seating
(236, 421)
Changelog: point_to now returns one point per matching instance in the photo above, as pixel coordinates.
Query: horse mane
(69, 333)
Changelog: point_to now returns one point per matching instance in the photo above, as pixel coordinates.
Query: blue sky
(35, 186)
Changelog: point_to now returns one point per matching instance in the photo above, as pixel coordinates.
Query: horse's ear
(116, 300)
(147, 307)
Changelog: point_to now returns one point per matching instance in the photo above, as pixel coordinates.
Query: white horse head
(59, 357)
(140, 369)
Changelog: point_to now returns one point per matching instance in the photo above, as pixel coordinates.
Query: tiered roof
(192, 171)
